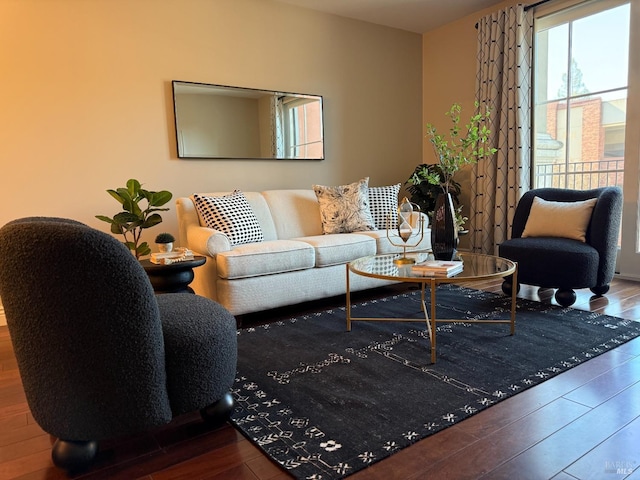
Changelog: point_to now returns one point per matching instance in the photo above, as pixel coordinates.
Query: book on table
(438, 268)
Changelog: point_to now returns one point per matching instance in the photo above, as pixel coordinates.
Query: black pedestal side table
(172, 278)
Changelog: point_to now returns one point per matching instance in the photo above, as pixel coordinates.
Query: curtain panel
(503, 85)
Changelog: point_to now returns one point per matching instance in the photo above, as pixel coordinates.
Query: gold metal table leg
(433, 320)
(429, 319)
(348, 302)
(514, 293)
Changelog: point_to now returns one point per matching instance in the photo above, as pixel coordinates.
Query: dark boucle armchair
(563, 263)
(99, 354)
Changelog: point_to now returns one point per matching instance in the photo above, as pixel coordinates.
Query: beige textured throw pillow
(345, 208)
(559, 219)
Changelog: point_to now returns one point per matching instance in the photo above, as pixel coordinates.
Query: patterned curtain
(503, 85)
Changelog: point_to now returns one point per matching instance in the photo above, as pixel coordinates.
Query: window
(303, 128)
(581, 69)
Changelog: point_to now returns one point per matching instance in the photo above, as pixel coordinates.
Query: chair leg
(73, 456)
(565, 297)
(218, 413)
(601, 290)
(507, 286)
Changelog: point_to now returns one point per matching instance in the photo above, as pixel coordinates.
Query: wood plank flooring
(582, 424)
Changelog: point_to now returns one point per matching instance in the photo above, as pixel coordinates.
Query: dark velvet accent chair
(100, 355)
(562, 263)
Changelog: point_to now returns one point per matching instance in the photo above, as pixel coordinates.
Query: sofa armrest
(194, 236)
(207, 241)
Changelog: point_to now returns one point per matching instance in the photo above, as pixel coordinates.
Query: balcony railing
(580, 175)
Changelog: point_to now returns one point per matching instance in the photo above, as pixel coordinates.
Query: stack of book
(437, 268)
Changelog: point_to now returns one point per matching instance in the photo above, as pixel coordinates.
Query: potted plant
(136, 216)
(165, 242)
(459, 148)
(424, 193)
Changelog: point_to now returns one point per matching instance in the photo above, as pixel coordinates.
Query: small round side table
(172, 278)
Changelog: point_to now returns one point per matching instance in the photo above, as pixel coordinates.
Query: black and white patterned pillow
(345, 208)
(383, 202)
(230, 214)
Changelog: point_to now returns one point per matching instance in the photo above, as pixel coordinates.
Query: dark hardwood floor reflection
(582, 424)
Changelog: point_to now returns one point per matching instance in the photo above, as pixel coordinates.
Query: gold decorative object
(406, 232)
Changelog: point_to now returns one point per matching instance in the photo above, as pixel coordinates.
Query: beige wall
(85, 97)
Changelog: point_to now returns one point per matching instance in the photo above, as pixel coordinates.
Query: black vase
(444, 234)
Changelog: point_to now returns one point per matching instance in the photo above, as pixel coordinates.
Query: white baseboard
(626, 276)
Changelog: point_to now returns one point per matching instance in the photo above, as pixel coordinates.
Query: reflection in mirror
(217, 121)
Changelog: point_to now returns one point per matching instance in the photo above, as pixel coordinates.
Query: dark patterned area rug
(324, 403)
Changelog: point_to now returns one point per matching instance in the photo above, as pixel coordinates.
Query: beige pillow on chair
(559, 219)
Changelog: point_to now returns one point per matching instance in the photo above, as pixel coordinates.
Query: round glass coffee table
(476, 267)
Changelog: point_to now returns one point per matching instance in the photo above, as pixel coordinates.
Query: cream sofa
(295, 262)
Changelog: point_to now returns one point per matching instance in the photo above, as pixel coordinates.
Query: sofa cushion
(345, 208)
(230, 214)
(559, 219)
(340, 248)
(265, 258)
(383, 203)
(295, 213)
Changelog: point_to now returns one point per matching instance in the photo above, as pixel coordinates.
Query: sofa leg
(73, 456)
(218, 413)
(565, 297)
(601, 290)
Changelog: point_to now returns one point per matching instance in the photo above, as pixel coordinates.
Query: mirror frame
(241, 95)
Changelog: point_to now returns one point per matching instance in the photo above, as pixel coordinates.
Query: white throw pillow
(230, 214)
(383, 203)
(559, 219)
(345, 208)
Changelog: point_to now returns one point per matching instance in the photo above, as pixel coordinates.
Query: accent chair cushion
(345, 208)
(230, 214)
(383, 203)
(553, 262)
(559, 219)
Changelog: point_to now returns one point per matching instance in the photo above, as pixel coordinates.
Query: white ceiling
(417, 16)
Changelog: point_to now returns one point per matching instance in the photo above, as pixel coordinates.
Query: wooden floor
(582, 424)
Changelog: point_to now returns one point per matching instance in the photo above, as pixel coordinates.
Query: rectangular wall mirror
(218, 121)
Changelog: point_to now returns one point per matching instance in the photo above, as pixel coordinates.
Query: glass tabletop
(475, 266)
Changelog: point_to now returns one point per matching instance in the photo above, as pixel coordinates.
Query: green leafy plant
(452, 152)
(135, 216)
(165, 238)
(424, 194)
(456, 151)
